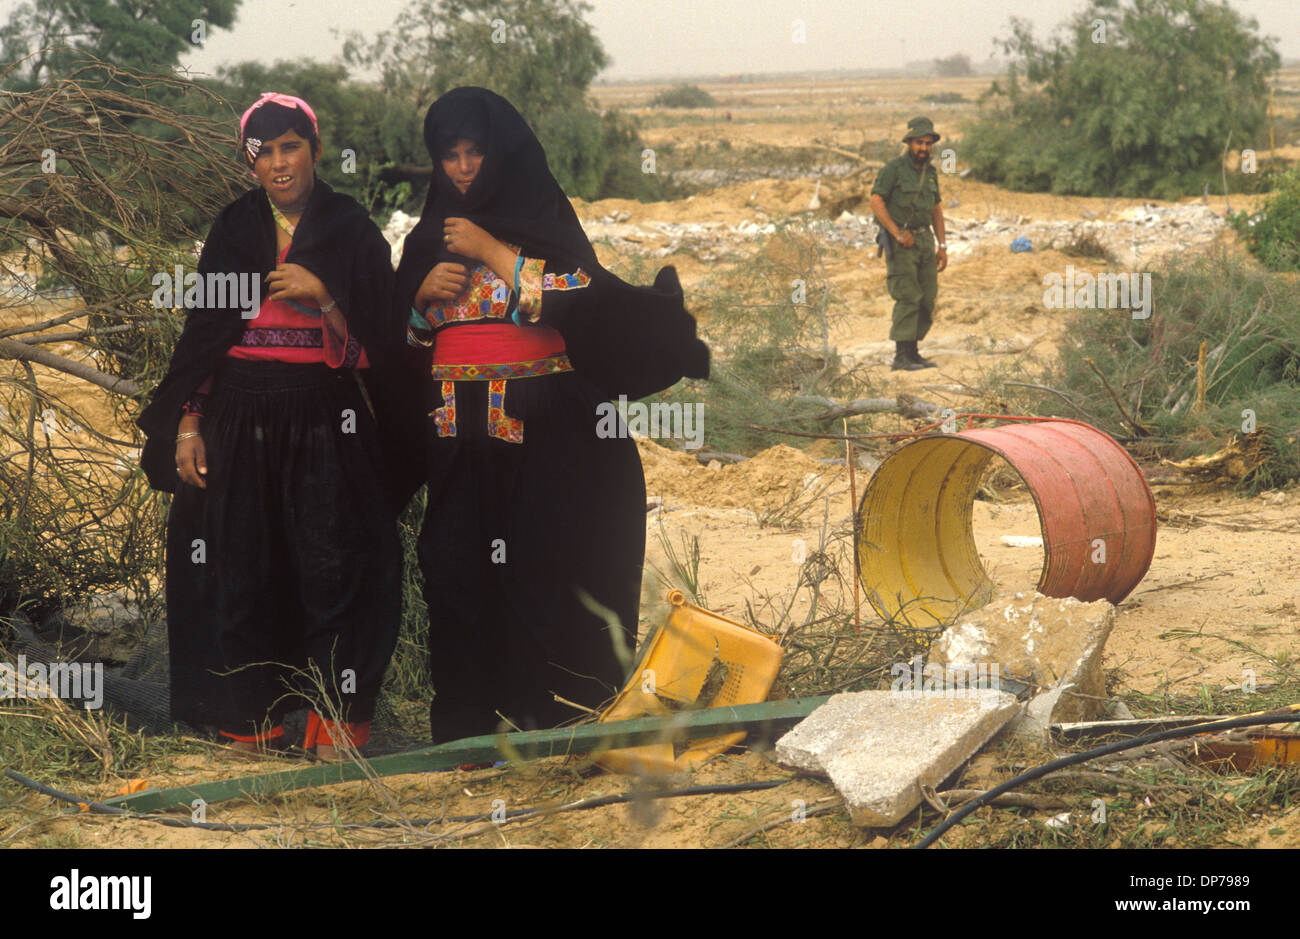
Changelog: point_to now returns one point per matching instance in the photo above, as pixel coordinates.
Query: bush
(1139, 105)
(1247, 319)
(1273, 233)
(76, 515)
(683, 96)
(770, 342)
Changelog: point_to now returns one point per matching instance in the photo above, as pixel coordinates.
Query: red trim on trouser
(272, 734)
(326, 732)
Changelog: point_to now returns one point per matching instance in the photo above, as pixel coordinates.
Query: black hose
(1092, 754)
(102, 809)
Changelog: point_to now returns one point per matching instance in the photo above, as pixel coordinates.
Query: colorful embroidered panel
(486, 296)
(445, 416)
(548, 366)
(500, 424)
(530, 288)
(575, 281)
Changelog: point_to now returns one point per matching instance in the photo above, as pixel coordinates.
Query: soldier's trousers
(912, 277)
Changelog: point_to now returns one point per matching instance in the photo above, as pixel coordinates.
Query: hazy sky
(663, 38)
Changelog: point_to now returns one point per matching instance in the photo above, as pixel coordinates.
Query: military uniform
(912, 274)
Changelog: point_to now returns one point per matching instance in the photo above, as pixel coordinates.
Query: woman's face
(286, 169)
(461, 163)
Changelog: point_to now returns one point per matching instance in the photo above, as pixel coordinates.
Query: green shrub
(683, 96)
(1247, 319)
(1273, 233)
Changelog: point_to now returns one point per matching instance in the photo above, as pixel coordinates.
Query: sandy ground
(1221, 596)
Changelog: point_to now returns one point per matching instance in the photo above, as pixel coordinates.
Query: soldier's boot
(916, 357)
(903, 359)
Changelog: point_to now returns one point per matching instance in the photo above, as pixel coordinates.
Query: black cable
(597, 802)
(99, 808)
(1092, 754)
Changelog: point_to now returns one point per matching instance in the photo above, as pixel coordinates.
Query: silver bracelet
(187, 435)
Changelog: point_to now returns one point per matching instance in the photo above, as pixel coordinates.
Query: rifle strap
(911, 213)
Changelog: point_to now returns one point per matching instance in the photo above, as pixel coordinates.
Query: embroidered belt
(281, 336)
(500, 424)
(551, 365)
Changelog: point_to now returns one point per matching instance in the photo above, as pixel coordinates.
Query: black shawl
(335, 240)
(627, 340)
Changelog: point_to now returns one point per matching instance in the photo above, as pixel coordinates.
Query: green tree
(538, 54)
(1140, 98)
(142, 35)
(541, 55)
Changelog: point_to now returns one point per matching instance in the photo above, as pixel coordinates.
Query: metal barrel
(916, 549)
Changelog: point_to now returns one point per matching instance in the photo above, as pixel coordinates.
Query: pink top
(288, 331)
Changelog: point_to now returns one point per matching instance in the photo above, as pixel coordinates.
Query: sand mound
(767, 481)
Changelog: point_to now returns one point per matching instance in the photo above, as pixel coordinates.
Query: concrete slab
(879, 747)
(1054, 643)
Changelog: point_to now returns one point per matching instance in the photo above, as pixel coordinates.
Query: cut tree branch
(23, 352)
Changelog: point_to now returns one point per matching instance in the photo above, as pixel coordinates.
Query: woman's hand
(295, 282)
(462, 236)
(445, 282)
(192, 461)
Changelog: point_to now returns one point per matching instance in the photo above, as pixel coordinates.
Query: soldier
(905, 200)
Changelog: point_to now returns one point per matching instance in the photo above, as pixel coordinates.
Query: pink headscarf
(288, 101)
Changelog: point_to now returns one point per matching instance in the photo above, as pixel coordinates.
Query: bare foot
(247, 749)
(328, 753)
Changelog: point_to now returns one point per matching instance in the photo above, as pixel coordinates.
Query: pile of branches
(107, 177)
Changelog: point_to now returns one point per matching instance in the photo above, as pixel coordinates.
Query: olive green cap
(920, 127)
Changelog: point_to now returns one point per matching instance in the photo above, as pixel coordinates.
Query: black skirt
(283, 575)
(515, 535)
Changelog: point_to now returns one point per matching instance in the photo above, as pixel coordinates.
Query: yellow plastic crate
(675, 667)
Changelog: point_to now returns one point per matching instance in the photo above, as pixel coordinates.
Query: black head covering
(628, 340)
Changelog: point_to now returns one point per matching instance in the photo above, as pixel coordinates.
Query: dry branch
(24, 352)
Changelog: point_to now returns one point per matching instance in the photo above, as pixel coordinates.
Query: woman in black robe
(282, 552)
(533, 540)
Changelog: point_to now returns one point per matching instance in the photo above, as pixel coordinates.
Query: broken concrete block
(880, 747)
(1054, 643)
(1036, 721)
